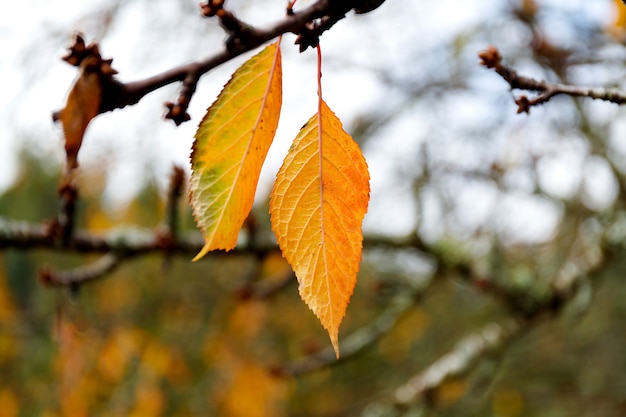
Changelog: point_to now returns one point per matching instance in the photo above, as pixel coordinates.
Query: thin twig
(491, 58)
(175, 192)
(63, 227)
(83, 274)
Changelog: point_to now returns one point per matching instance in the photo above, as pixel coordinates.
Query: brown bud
(523, 104)
(490, 57)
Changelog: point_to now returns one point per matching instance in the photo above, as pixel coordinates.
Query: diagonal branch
(353, 344)
(460, 360)
(118, 94)
(85, 273)
(492, 59)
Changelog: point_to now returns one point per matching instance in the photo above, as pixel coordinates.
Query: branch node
(177, 112)
(308, 36)
(78, 50)
(211, 7)
(523, 104)
(490, 57)
(310, 33)
(63, 227)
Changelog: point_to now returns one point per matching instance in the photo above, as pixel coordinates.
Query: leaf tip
(205, 249)
(334, 340)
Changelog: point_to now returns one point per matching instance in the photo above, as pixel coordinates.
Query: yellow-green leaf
(230, 146)
(317, 205)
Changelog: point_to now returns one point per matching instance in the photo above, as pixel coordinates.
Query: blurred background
(479, 218)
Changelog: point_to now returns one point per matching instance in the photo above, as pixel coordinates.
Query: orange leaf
(231, 144)
(253, 392)
(83, 104)
(617, 28)
(318, 203)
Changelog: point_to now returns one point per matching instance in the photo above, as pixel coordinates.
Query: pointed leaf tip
(317, 207)
(205, 249)
(230, 147)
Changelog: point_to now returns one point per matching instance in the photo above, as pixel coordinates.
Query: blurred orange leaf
(7, 307)
(10, 403)
(317, 205)
(617, 28)
(231, 144)
(253, 393)
(83, 104)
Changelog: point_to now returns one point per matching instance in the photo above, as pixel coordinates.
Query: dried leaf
(83, 104)
(318, 203)
(231, 144)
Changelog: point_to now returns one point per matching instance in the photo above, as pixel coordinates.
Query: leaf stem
(319, 79)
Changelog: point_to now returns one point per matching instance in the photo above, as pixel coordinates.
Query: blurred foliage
(175, 338)
(520, 204)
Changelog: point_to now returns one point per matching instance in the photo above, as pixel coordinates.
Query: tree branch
(492, 59)
(354, 343)
(85, 273)
(243, 38)
(138, 241)
(460, 360)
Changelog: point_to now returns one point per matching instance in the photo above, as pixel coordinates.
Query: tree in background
(491, 279)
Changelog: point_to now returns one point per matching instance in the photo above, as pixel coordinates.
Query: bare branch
(460, 360)
(243, 38)
(492, 59)
(137, 241)
(353, 344)
(63, 226)
(82, 274)
(175, 191)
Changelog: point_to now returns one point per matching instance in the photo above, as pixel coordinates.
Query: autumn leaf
(317, 205)
(252, 392)
(85, 97)
(83, 104)
(230, 147)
